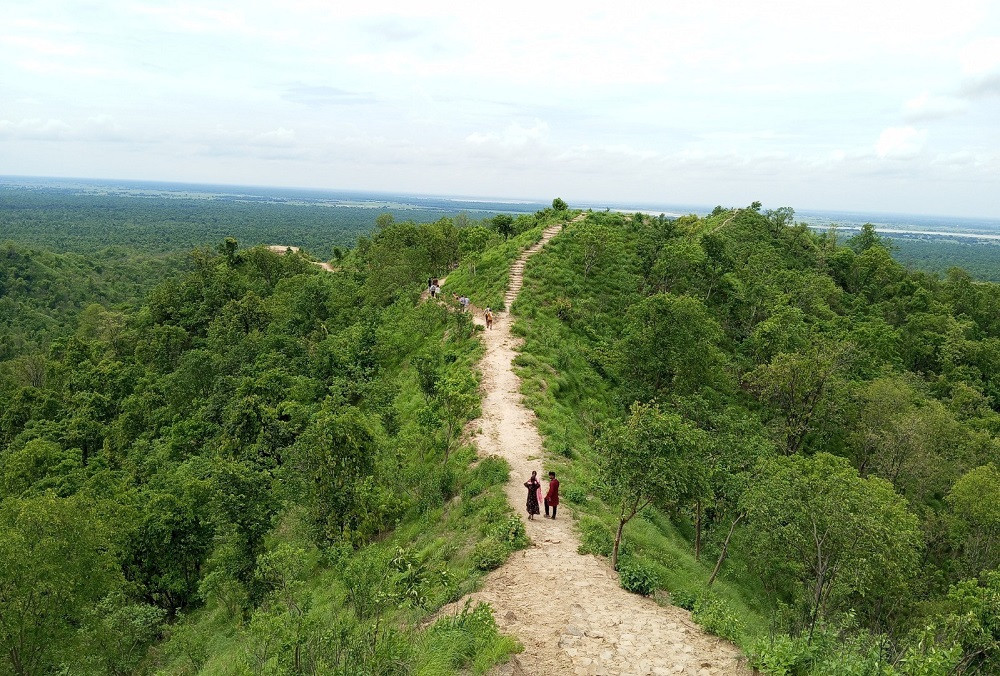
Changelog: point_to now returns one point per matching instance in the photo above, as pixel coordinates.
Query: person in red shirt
(552, 497)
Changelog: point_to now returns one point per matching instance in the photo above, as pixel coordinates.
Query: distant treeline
(979, 259)
(61, 220)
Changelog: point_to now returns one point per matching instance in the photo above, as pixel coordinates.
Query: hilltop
(777, 449)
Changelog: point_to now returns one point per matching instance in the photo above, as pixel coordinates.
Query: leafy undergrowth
(358, 611)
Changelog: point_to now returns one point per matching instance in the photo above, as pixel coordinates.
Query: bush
(468, 640)
(683, 598)
(715, 615)
(595, 537)
(490, 553)
(492, 510)
(637, 577)
(575, 494)
(492, 471)
(473, 489)
(511, 532)
(782, 655)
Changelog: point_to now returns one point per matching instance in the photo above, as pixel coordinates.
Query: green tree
(669, 344)
(868, 238)
(335, 459)
(504, 224)
(459, 399)
(558, 204)
(652, 458)
(838, 535)
(55, 564)
(795, 386)
(975, 519)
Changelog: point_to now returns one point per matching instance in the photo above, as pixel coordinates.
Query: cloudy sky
(884, 105)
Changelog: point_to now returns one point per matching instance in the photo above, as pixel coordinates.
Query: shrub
(782, 655)
(595, 537)
(511, 532)
(490, 553)
(575, 494)
(715, 615)
(473, 488)
(637, 577)
(492, 471)
(683, 598)
(469, 639)
(492, 510)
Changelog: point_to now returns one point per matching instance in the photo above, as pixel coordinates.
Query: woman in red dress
(534, 486)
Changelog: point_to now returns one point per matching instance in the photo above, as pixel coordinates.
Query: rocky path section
(568, 609)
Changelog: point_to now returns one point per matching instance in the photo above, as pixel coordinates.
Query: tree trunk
(697, 531)
(618, 540)
(725, 548)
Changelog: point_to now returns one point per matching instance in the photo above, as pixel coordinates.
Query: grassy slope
(566, 319)
(485, 281)
(436, 537)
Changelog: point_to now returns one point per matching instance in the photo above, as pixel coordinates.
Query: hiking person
(534, 487)
(489, 318)
(552, 496)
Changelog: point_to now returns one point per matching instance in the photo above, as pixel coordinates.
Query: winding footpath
(566, 608)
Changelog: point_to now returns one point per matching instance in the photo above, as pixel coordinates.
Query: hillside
(259, 469)
(826, 416)
(268, 466)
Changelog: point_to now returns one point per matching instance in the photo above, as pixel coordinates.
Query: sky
(877, 105)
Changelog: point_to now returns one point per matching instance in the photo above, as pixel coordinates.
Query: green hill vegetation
(260, 468)
(811, 419)
(238, 463)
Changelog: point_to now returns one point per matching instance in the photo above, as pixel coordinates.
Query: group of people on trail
(434, 289)
(551, 501)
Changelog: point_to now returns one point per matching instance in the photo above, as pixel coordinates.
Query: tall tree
(652, 458)
(55, 564)
(838, 535)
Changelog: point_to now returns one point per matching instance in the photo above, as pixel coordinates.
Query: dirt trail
(566, 608)
(282, 249)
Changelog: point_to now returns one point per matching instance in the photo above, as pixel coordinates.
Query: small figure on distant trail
(489, 318)
(464, 302)
(534, 487)
(552, 496)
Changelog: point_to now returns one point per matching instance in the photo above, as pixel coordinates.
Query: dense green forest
(814, 426)
(257, 469)
(229, 461)
(62, 220)
(938, 255)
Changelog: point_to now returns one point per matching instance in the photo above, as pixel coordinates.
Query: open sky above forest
(885, 106)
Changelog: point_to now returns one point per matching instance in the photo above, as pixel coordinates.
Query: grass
(484, 279)
(567, 321)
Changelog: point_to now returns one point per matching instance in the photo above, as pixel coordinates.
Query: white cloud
(928, 107)
(514, 135)
(900, 142)
(981, 57)
(41, 45)
(275, 137)
(35, 128)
